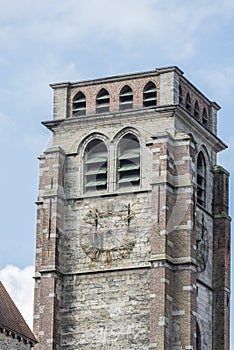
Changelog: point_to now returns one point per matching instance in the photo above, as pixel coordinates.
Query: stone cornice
(113, 79)
(143, 112)
(209, 137)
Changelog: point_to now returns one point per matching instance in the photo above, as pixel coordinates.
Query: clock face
(202, 245)
(108, 234)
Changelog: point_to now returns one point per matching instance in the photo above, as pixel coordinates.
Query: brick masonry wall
(114, 90)
(167, 85)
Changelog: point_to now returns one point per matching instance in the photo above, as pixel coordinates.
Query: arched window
(125, 98)
(201, 179)
(95, 166)
(196, 110)
(102, 101)
(204, 117)
(79, 104)
(180, 95)
(150, 95)
(128, 162)
(188, 102)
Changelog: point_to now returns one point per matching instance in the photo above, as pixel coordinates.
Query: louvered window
(150, 95)
(204, 117)
(126, 98)
(128, 162)
(79, 105)
(188, 102)
(95, 166)
(102, 101)
(201, 180)
(196, 110)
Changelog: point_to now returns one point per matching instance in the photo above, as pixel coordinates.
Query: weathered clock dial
(108, 233)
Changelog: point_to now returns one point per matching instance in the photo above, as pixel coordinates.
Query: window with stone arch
(79, 105)
(95, 166)
(196, 110)
(128, 161)
(204, 117)
(126, 98)
(150, 95)
(188, 102)
(201, 180)
(103, 101)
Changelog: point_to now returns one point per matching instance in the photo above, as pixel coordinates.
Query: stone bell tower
(133, 230)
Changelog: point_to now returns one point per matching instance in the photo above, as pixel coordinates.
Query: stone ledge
(174, 261)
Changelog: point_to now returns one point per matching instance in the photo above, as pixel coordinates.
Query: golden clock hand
(130, 214)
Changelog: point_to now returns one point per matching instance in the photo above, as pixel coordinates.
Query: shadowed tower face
(132, 224)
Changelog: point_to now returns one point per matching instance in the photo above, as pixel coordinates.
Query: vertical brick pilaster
(184, 308)
(158, 318)
(49, 227)
(182, 241)
(173, 275)
(221, 261)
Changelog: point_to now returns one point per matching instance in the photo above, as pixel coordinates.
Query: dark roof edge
(31, 339)
(11, 318)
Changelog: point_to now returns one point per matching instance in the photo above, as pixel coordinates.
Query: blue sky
(68, 40)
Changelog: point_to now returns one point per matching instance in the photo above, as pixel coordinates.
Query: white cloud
(171, 24)
(19, 284)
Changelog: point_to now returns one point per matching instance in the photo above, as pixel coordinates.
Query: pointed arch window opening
(188, 102)
(201, 180)
(103, 101)
(150, 95)
(95, 166)
(204, 117)
(79, 105)
(126, 98)
(128, 162)
(196, 110)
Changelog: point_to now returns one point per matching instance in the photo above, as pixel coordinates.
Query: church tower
(133, 229)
